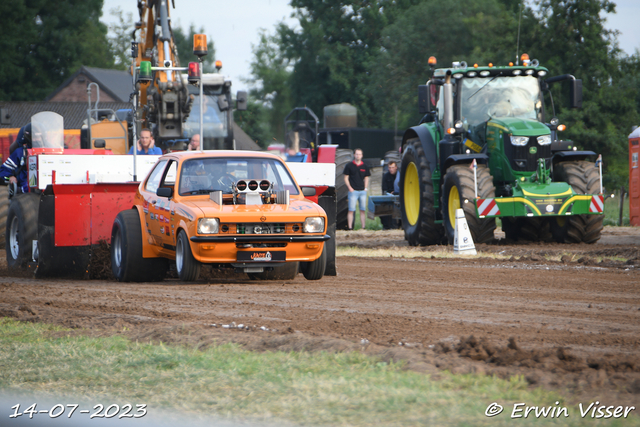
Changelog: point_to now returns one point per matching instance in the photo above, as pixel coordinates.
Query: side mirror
(576, 94)
(99, 143)
(423, 99)
(308, 191)
(164, 192)
(223, 104)
(241, 99)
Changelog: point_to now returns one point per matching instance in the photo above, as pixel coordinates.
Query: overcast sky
(234, 25)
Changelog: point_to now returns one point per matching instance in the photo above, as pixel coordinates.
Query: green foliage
(254, 123)
(271, 73)
(374, 55)
(121, 38)
(44, 42)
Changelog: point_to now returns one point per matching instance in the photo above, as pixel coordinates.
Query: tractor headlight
(544, 140)
(208, 225)
(314, 224)
(519, 140)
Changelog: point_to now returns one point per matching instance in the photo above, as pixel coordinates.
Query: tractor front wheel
(584, 178)
(458, 193)
(416, 197)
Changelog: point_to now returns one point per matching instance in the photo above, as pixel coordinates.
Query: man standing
(356, 176)
(194, 143)
(146, 144)
(387, 188)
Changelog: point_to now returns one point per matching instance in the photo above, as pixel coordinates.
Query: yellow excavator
(163, 103)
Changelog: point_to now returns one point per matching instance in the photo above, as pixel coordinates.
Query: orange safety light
(432, 61)
(194, 72)
(218, 65)
(561, 128)
(451, 131)
(510, 64)
(490, 65)
(475, 65)
(200, 45)
(524, 57)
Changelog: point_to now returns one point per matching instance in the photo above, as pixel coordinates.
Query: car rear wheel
(127, 262)
(188, 267)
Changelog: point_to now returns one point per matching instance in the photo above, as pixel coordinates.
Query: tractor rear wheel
(21, 229)
(188, 267)
(584, 178)
(288, 271)
(416, 197)
(127, 263)
(458, 193)
(343, 157)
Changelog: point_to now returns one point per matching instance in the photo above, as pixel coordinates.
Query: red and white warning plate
(487, 207)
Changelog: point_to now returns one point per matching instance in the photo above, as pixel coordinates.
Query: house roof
(74, 113)
(117, 83)
(243, 141)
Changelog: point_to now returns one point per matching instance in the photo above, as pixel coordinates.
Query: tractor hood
(521, 127)
(297, 211)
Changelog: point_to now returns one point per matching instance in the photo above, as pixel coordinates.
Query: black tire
(288, 271)
(4, 210)
(57, 261)
(460, 180)
(584, 178)
(127, 263)
(343, 157)
(416, 197)
(187, 266)
(314, 270)
(531, 229)
(21, 229)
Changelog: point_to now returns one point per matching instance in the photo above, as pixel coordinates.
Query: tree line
(373, 54)
(370, 53)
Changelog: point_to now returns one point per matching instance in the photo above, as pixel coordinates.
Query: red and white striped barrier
(488, 207)
(597, 204)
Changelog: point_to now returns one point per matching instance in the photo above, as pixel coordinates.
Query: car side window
(170, 177)
(153, 182)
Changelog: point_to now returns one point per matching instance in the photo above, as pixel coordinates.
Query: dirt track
(571, 324)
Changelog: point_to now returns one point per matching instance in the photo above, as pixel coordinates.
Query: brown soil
(572, 324)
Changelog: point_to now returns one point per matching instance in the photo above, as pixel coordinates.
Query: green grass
(227, 382)
(612, 210)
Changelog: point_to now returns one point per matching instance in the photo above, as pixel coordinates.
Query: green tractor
(483, 146)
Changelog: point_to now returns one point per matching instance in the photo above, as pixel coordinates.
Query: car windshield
(202, 176)
(487, 97)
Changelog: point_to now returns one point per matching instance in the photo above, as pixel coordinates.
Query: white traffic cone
(462, 241)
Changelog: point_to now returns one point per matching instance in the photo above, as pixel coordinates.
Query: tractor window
(153, 182)
(486, 97)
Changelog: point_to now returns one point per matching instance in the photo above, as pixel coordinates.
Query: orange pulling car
(231, 209)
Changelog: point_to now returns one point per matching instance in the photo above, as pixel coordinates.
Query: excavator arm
(165, 101)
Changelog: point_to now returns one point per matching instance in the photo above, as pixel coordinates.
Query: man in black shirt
(387, 187)
(356, 176)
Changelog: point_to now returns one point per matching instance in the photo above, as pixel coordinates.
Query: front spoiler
(259, 238)
(540, 205)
